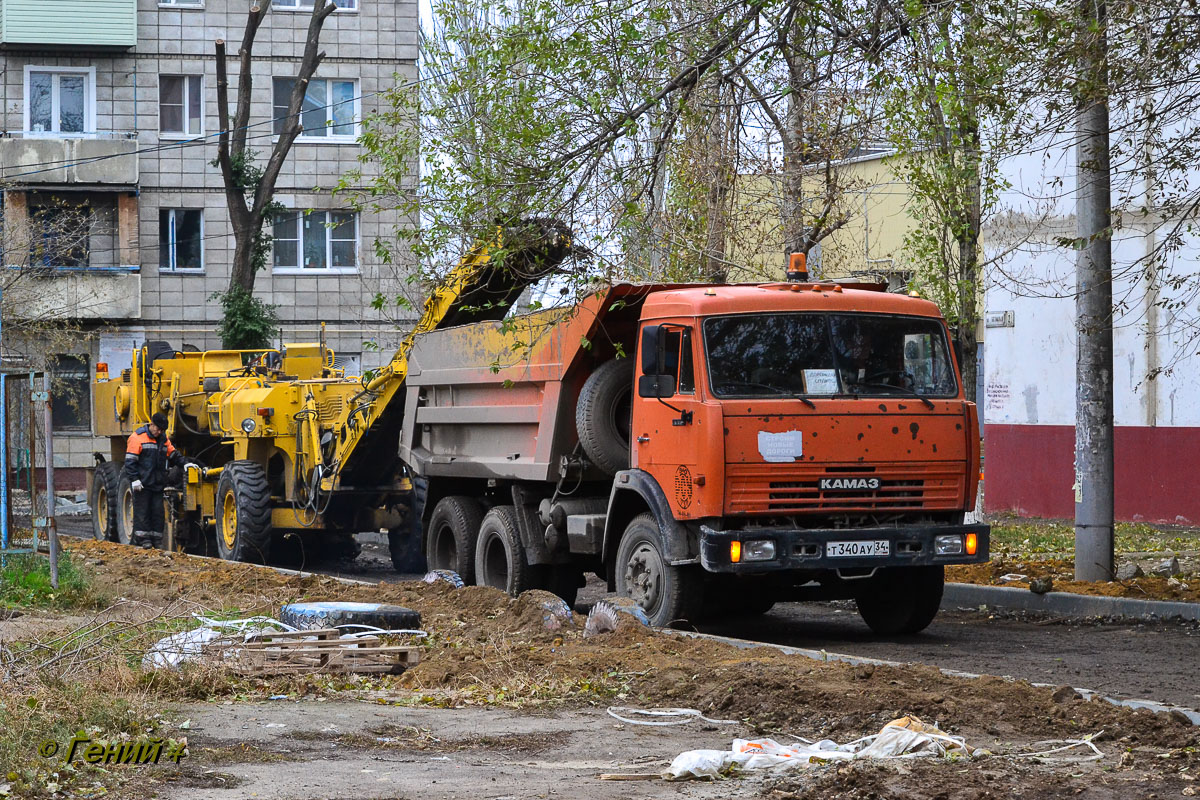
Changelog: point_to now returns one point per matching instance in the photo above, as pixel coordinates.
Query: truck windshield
(808, 354)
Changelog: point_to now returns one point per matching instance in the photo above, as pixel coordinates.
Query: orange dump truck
(705, 449)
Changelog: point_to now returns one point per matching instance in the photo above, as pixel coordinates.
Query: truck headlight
(758, 550)
(951, 545)
(248, 425)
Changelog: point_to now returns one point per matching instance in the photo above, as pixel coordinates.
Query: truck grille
(795, 488)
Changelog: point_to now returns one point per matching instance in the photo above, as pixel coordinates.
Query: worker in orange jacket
(148, 456)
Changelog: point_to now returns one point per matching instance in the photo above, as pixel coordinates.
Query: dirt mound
(485, 647)
(1186, 589)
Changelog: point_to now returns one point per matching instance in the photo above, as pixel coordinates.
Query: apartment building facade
(109, 117)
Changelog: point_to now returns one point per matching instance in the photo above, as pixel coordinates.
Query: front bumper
(806, 549)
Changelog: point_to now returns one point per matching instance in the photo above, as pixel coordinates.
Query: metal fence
(27, 501)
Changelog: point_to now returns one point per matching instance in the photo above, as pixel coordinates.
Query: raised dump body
(742, 443)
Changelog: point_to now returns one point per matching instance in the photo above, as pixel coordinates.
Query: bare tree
(249, 189)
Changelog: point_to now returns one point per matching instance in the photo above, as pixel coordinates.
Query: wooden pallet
(323, 650)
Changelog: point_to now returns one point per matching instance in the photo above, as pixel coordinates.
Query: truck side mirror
(659, 386)
(654, 355)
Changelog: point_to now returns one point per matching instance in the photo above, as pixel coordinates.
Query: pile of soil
(485, 647)
(1186, 589)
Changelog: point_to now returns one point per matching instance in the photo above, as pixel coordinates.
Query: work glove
(137, 486)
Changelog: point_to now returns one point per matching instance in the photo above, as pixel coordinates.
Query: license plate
(877, 547)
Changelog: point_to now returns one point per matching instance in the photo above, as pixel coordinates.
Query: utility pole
(1093, 305)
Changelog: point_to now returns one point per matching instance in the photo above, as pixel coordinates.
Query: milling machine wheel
(243, 512)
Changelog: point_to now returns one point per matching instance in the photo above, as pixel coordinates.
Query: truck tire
(124, 509)
(450, 538)
(666, 593)
(103, 500)
(243, 512)
(603, 415)
(901, 602)
(314, 616)
(404, 542)
(500, 560)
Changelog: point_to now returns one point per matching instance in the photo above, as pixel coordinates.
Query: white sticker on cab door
(780, 448)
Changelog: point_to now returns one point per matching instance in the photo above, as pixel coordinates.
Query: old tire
(901, 602)
(451, 534)
(603, 415)
(243, 512)
(124, 509)
(666, 593)
(311, 616)
(103, 501)
(500, 560)
(404, 542)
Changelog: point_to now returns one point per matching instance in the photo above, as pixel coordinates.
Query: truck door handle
(643, 439)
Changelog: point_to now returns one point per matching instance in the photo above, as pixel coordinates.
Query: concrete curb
(1064, 603)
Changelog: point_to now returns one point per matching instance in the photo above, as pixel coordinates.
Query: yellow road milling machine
(280, 442)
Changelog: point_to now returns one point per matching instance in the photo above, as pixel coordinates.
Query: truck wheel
(898, 602)
(666, 593)
(243, 512)
(124, 509)
(103, 501)
(450, 538)
(603, 417)
(500, 560)
(404, 542)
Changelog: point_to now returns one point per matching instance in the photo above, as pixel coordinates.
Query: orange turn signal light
(972, 543)
(735, 552)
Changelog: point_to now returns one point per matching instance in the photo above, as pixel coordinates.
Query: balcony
(99, 159)
(71, 255)
(69, 23)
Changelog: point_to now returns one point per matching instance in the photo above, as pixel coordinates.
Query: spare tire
(604, 415)
(311, 616)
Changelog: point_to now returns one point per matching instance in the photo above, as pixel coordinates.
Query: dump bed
(497, 399)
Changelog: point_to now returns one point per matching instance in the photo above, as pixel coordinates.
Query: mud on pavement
(500, 706)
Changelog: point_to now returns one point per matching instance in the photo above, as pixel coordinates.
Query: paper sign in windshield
(780, 448)
(820, 381)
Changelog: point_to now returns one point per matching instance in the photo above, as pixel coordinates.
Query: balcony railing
(102, 157)
(79, 23)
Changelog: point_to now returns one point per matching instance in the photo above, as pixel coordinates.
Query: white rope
(1070, 744)
(681, 716)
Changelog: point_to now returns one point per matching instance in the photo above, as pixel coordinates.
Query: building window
(181, 104)
(181, 3)
(61, 235)
(307, 5)
(316, 240)
(60, 101)
(180, 239)
(330, 108)
(70, 398)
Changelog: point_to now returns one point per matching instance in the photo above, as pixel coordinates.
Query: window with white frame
(60, 101)
(315, 240)
(307, 5)
(330, 107)
(181, 105)
(180, 239)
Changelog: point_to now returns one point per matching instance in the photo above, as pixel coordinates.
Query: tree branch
(292, 126)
